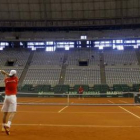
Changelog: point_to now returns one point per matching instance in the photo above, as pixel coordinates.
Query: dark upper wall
(84, 12)
(67, 9)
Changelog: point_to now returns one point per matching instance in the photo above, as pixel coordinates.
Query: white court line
(25, 101)
(37, 101)
(111, 102)
(123, 101)
(2, 105)
(62, 109)
(128, 111)
(72, 112)
(32, 101)
(67, 125)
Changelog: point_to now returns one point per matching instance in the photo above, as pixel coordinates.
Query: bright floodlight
(120, 47)
(101, 47)
(83, 37)
(67, 48)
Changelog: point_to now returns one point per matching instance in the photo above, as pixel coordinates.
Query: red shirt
(80, 90)
(11, 85)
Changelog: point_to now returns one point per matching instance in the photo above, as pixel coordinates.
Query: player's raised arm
(4, 73)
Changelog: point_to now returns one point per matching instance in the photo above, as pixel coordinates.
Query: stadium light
(83, 37)
(119, 41)
(120, 47)
(21, 44)
(32, 48)
(136, 46)
(1, 48)
(49, 43)
(50, 49)
(67, 48)
(101, 47)
(3, 45)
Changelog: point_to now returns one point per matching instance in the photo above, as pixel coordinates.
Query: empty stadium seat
(82, 75)
(103, 88)
(61, 89)
(121, 87)
(122, 75)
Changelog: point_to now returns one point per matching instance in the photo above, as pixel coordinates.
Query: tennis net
(132, 98)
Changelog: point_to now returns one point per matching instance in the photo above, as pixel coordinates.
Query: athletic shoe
(7, 129)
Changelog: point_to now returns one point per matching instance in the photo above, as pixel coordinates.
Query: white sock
(9, 123)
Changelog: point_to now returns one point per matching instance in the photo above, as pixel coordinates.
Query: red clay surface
(75, 122)
(76, 100)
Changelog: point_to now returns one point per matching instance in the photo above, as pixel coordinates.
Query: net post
(68, 99)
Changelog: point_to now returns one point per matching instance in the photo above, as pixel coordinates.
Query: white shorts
(10, 104)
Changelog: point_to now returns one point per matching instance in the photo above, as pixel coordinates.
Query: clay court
(33, 122)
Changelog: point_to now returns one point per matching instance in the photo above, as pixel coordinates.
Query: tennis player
(80, 91)
(10, 102)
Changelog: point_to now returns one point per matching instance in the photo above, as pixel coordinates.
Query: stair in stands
(63, 69)
(25, 69)
(102, 69)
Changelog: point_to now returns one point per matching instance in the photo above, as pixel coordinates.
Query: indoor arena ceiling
(69, 13)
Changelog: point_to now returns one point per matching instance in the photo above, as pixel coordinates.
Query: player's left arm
(4, 73)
